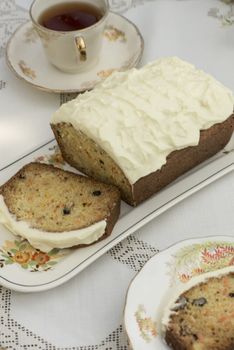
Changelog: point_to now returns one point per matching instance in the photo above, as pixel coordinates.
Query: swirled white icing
(45, 241)
(142, 115)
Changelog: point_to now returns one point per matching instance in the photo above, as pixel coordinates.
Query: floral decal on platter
(54, 158)
(20, 252)
(200, 258)
(146, 325)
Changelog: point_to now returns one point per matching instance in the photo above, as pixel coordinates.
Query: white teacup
(71, 51)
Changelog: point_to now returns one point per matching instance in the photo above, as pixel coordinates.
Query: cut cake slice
(203, 316)
(54, 208)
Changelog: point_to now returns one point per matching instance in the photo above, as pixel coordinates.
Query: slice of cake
(202, 318)
(141, 129)
(53, 208)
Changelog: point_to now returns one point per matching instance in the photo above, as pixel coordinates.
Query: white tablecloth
(86, 313)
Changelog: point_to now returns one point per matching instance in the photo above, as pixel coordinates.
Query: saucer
(122, 49)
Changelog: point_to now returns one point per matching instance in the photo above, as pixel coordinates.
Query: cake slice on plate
(53, 208)
(202, 317)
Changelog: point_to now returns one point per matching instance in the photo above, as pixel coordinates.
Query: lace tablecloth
(86, 313)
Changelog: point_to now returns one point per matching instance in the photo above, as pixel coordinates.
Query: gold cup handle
(80, 44)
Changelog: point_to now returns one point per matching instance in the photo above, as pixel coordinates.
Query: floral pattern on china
(200, 258)
(189, 261)
(21, 253)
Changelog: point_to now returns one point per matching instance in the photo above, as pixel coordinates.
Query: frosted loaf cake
(141, 129)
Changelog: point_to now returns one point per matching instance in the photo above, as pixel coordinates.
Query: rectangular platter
(18, 259)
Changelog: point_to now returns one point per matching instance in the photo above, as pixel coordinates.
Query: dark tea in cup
(70, 16)
(71, 31)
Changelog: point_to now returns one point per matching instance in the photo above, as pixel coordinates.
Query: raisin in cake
(53, 208)
(202, 318)
(142, 128)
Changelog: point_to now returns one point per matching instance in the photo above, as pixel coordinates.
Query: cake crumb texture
(53, 200)
(83, 153)
(203, 317)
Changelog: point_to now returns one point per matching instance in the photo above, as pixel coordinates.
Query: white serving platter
(22, 268)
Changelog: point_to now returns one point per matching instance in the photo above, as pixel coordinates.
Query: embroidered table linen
(86, 313)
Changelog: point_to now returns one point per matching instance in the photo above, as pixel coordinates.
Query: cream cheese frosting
(142, 115)
(45, 241)
(182, 288)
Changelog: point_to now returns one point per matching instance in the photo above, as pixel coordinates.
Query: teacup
(70, 51)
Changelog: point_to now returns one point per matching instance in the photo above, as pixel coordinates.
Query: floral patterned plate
(175, 266)
(122, 49)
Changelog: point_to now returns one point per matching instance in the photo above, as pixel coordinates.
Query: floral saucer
(122, 49)
(150, 290)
